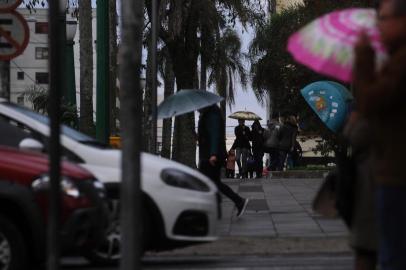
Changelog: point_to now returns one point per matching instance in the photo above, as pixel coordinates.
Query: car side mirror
(31, 144)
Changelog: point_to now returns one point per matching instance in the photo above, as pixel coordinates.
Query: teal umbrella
(185, 101)
(330, 101)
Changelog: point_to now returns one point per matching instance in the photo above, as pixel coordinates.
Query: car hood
(26, 165)
(150, 163)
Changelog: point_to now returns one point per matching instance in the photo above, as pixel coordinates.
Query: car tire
(13, 249)
(112, 241)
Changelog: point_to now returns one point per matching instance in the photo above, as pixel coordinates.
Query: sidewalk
(278, 207)
(278, 219)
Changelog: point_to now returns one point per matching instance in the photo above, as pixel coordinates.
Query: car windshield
(67, 131)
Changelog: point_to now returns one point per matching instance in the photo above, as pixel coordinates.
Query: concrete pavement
(278, 207)
(278, 220)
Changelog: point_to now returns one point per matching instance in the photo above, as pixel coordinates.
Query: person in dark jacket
(287, 138)
(381, 95)
(242, 146)
(213, 153)
(257, 134)
(271, 142)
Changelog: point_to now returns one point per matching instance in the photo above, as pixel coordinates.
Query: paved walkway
(278, 208)
(278, 220)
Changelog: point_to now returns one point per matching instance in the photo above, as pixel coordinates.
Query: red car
(24, 185)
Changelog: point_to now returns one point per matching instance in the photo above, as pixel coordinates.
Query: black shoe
(241, 208)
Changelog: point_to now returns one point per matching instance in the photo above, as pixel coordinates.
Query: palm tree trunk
(146, 127)
(86, 124)
(272, 6)
(203, 73)
(169, 89)
(113, 64)
(184, 137)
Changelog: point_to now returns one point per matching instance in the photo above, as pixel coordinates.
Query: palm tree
(184, 24)
(86, 123)
(225, 65)
(169, 89)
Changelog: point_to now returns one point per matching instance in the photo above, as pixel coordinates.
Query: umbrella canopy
(326, 45)
(185, 101)
(244, 115)
(330, 101)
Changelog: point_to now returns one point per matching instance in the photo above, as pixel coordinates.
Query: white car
(180, 205)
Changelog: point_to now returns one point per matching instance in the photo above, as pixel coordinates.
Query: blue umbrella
(185, 101)
(330, 101)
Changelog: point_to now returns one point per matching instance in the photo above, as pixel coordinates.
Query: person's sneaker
(242, 207)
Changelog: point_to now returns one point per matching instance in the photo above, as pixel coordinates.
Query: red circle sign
(14, 35)
(9, 5)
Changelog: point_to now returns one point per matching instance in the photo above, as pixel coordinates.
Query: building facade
(29, 71)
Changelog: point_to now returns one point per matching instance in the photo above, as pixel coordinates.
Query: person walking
(242, 146)
(212, 152)
(271, 142)
(257, 134)
(381, 95)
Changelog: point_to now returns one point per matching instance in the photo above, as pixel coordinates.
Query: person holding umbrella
(242, 146)
(381, 95)
(212, 152)
(211, 135)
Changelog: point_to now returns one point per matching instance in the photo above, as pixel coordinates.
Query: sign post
(14, 37)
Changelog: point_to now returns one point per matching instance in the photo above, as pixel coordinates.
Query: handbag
(325, 201)
(337, 193)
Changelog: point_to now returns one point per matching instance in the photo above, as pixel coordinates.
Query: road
(334, 261)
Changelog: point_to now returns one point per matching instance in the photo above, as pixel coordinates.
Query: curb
(298, 174)
(259, 246)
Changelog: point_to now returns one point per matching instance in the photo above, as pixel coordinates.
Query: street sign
(9, 5)
(14, 35)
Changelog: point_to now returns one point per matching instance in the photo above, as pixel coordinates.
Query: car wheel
(109, 250)
(13, 251)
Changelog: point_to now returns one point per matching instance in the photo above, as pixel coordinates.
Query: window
(41, 27)
(20, 100)
(41, 77)
(41, 53)
(20, 75)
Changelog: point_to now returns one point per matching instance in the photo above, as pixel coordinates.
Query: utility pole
(132, 16)
(154, 26)
(57, 86)
(103, 72)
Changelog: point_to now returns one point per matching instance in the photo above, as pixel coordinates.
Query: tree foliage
(189, 29)
(274, 71)
(39, 98)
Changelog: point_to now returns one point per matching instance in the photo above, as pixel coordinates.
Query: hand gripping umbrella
(185, 101)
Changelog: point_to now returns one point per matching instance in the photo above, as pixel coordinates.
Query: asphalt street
(337, 261)
(278, 231)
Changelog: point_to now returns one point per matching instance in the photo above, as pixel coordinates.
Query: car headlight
(99, 186)
(68, 187)
(180, 179)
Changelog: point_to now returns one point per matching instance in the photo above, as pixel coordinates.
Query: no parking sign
(14, 34)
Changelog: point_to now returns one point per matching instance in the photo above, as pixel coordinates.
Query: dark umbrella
(245, 115)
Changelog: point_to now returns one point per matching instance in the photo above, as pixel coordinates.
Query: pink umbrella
(326, 45)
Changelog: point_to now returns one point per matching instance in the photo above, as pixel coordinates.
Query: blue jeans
(391, 207)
